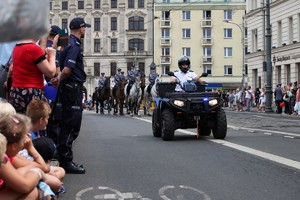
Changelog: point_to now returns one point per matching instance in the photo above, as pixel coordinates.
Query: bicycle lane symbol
(116, 194)
(163, 190)
(113, 194)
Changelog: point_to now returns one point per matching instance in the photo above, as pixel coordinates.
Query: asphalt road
(258, 160)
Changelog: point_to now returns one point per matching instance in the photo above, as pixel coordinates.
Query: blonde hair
(6, 109)
(3, 143)
(37, 109)
(14, 127)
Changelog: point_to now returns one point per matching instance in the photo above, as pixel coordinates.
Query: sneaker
(61, 190)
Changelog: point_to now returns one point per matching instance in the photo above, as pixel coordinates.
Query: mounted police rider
(101, 81)
(118, 78)
(131, 76)
(152, 77)
(185, 73)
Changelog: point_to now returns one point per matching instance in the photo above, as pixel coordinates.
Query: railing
(165, 41)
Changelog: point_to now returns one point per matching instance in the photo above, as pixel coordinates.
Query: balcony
(246, 42)
(207, 60)
(165, 24)
(206, 23)
(136, 54)
(165, 42)
(207, 41)
(165, 60)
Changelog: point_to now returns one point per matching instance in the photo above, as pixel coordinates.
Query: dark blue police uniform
(70, 96)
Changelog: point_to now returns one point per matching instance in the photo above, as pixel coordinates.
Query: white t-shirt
(183, 77)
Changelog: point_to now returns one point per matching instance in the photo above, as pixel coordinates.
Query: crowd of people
(286, 99)
(37, 132)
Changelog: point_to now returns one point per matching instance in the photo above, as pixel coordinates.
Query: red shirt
(25, 72)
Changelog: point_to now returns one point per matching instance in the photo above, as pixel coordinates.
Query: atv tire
(156, 129)
(168, 124)
(220, 128)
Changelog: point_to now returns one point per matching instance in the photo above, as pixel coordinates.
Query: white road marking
(268, 156)
(162, 190)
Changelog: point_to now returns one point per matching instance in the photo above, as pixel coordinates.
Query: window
(114, 4)
(165, 33)
(186, 33)
(186, 51)
(97, 24)
(166, 1)
(136, 23)
(186, 15)
(130, 3)
(96, 69)
(228, 52)
(114, 45)
(227, 70)
(227, 33)
(165, 51)
(113, 68)
(206, 32)
(81, 5)
(165, 15)
(113, 23)
(138, 43)
(207, 14)
(186, 1)
(96, 45)
(97, 4)
(165, 69)
(207, 52)
(207, 69)
(64, 5)
(141, 67)
(64, 23)
(50, 6)
(141, 3)
(228, 14)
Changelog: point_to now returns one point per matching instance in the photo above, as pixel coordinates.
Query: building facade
(210, 32)
(285, 24)
(121, 34)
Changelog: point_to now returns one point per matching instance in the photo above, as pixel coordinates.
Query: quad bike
(193, 108)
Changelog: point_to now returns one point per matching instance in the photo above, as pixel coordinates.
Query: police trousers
(70, 96)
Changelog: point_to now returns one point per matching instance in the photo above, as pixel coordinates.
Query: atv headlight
(213, 102)
(179, 103)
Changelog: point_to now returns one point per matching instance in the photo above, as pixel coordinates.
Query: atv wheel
(155, 125)
(220, 127)
(168, 124)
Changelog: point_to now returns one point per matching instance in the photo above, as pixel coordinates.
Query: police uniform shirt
(101, 81)
(183, 77)
(72, 58)
(152, 77)
(132, 75)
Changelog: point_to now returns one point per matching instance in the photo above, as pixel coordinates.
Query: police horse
(148, 98)
(119, 97)
(134, 97)
(104, 96)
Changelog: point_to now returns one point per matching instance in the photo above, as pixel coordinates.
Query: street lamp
(242, 29)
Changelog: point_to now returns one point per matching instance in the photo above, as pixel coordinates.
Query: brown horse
(119, 97)
(104, 95)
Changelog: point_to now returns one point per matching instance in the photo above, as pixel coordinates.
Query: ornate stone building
(120, 36)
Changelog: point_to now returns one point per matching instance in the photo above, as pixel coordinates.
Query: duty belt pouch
(69, 91)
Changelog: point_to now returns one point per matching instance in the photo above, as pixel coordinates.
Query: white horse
(134, 96)
(148, 98)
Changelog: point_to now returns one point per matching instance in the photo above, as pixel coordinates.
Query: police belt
(73, 83)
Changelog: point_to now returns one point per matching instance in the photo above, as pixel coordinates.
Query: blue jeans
(248, 104)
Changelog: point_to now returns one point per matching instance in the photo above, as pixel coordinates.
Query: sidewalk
(254, 110)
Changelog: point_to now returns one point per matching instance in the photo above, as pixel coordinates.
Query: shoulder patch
(176, 70)
(191, 70)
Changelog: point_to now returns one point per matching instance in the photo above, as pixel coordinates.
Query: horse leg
(101, 107)
(121, 104)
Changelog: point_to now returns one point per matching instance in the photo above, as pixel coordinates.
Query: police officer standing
(152, 77)
(118, 78)
(71, 81)
(101, 80)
